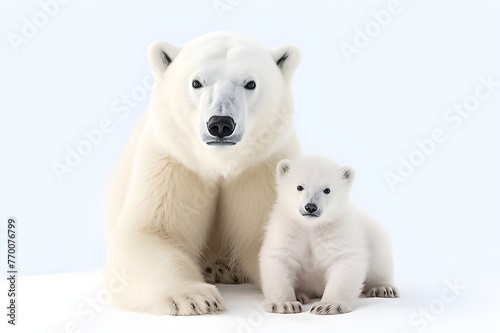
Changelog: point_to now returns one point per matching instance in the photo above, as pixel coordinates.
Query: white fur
(175, 201)
(334, 255)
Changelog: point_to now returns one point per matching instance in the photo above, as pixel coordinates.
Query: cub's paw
(386, 292)
(322, 308)
(197, 299)
(283, 307)
(302, 297)
(219, 272)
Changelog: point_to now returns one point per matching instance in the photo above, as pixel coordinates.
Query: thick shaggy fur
(332, 252)
(179, 206)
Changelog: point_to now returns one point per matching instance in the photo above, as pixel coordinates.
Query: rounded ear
(161, 54)
(348, 174)
(283, 168)
(287, 58)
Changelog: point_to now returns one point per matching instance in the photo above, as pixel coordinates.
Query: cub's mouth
(311, 214)
(310, 210)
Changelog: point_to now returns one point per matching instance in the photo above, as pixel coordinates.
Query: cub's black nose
(311, 208)
(221, 126)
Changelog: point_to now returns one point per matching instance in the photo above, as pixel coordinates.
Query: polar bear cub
(318, 245)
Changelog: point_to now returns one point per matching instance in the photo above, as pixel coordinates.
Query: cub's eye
(197, 84)
(326, 190)
(300, 188)
(250, 85)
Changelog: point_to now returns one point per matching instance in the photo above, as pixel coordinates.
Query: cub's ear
(283, 168)
(287, 58)
(347, 174)
(161, 54)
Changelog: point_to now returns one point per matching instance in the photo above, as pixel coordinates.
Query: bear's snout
(221, 126)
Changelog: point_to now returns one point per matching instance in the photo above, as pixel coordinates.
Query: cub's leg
(278, 272)
(344, 282)
(277, 279)
(379, 279)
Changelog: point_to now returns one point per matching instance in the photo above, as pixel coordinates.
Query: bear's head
(313, 189)
(214, 96)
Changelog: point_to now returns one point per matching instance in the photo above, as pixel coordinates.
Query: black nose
(311, 208)
(221, 126)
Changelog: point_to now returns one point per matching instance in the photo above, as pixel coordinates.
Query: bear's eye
(326, 190)
(300, 188)
(250, 85)
(197, 84)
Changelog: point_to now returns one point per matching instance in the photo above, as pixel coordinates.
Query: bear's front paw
(196, 299)
(283, 307)
(382, 291)
(322, 308)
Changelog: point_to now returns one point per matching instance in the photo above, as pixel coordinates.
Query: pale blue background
(444, 220)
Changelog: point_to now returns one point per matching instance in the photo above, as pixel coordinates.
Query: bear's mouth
(220, 143)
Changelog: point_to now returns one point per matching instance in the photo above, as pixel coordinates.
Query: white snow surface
(63, 302)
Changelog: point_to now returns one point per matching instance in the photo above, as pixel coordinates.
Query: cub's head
(216, 93)
(313, 188)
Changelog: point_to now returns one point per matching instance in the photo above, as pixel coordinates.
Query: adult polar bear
(196, 181)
